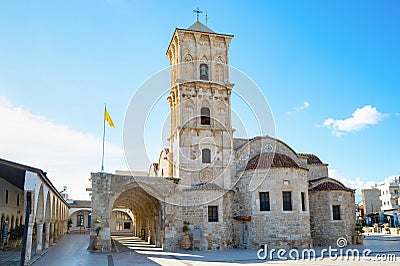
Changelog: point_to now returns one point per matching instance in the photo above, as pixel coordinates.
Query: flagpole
(104, 137)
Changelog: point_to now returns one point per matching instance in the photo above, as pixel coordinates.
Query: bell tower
(200, 106)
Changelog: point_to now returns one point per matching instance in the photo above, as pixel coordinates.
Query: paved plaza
(72, 250)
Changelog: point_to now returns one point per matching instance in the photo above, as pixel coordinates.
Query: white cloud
(68, 156)
(298, 109)
(359, 184)
(356, 184)
(360, 119)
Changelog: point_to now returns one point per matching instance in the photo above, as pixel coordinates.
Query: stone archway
(146, 211)
(110, 192)
(39, 220)
(47, 221)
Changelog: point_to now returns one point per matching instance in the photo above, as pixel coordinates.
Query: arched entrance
(145, 213)
(113, 194)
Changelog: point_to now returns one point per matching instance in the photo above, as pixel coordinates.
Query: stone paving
(72, 250)
(10, 256)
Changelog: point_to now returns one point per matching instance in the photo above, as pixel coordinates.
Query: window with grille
(213, 213)
(287, 200)
(303, 201)
(206, 156)
(264, 201)
(80, 220)
(336, 212)
(205, 116)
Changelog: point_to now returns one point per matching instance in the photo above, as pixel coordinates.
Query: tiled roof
(311, 158)
(329, 185)
(198, 26)
(204, 186)
(266, 160)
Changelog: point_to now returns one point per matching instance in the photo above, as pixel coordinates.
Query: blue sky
(61, 60)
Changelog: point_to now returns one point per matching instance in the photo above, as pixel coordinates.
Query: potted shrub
(12, 240)
(375, 228)
(185, 241)
(387, 229)
(97, 242)
(69, 225)
(359, 230)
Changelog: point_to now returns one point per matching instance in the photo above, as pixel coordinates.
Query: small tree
(13, 234)
(185, 227)
(69, 223)
(98, 229)
(359, 228)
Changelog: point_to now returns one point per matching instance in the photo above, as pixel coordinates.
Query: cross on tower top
(198, 12)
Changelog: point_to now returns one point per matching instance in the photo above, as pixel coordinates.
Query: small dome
(311, 158)
(330, 185)
(266, 160)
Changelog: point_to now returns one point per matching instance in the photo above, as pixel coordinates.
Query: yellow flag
(108, 118)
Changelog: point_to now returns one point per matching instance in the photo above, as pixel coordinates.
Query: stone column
(47, 238)
(39, 238)
(64, 228)
(55, 232)
(60, 230)
(28, 248)
(51, 231)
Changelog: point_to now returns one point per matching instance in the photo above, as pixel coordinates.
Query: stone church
(233, 192)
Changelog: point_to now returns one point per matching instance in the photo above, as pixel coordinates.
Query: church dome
(311, 158)
(266, 160)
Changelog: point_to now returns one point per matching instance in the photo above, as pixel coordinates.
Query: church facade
(232, 192)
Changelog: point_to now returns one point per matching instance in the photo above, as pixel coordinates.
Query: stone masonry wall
(277, 228)
(214, 235)
(325, 230)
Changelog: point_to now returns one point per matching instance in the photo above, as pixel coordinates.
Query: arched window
(203, 71)
(205, 116)
(206, 156)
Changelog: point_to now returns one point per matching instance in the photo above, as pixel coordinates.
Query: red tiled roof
(328, 185)
(311, 158)
(266, 160)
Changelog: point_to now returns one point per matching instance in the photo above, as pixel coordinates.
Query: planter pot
(354, 237)
(185, 242)
(97, 243)
(12, 243)
(360, 239)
